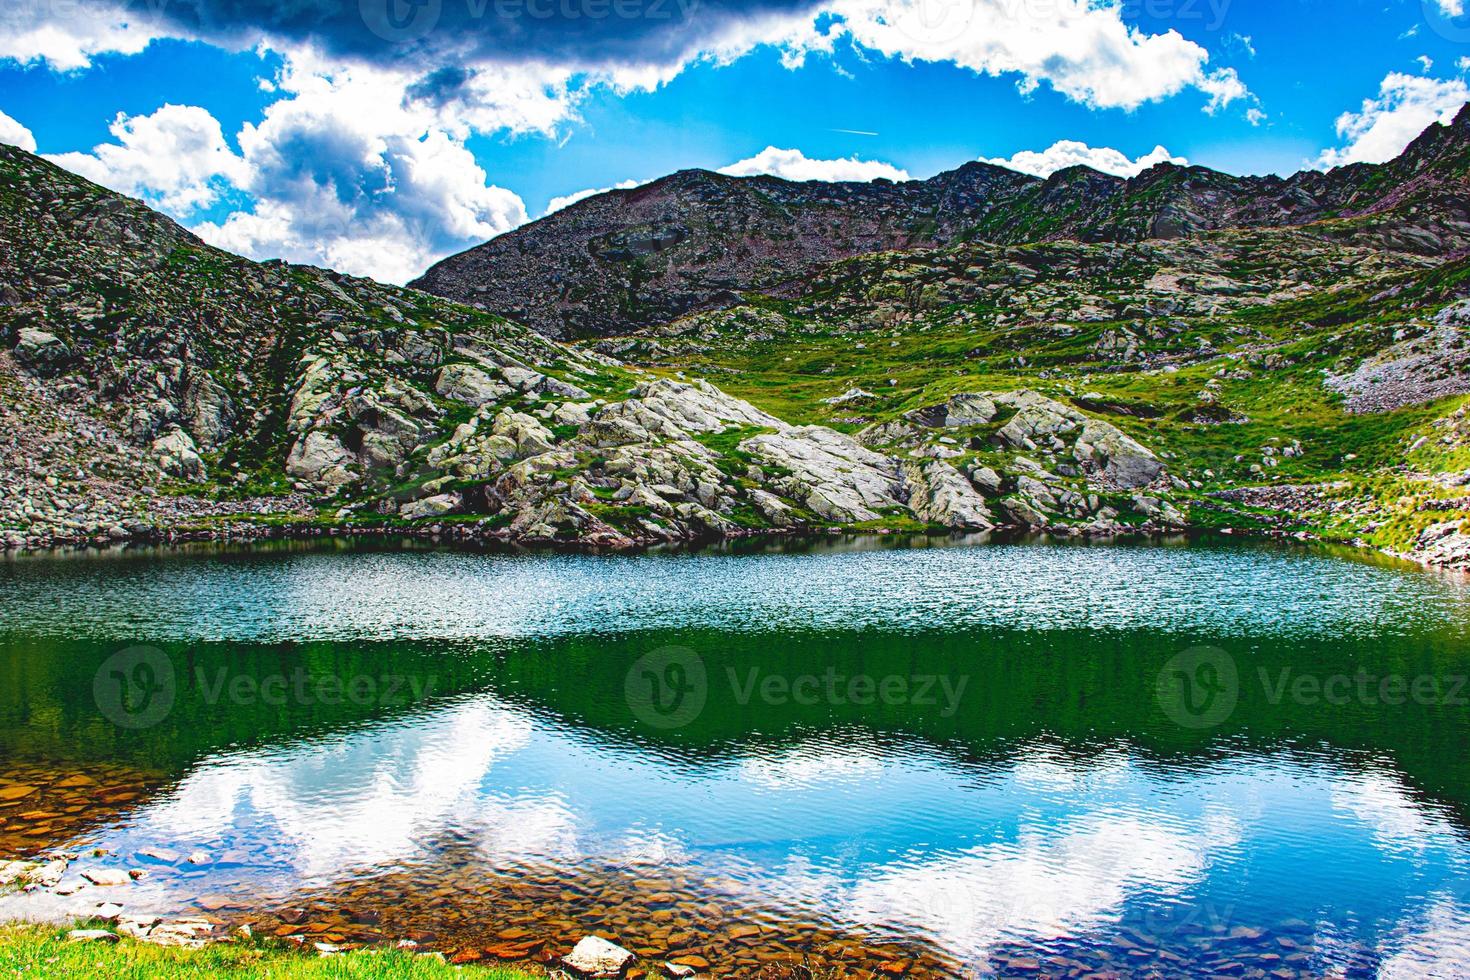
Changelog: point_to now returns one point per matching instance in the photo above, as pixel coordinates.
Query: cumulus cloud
(15, 134)
(67, 36)
(176, 157)
(795, 165)
(567, 200)
(345, 173)
(1406, 105)
(1070, 153)
(1082, 49)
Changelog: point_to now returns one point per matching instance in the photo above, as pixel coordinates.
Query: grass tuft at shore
(42, 951)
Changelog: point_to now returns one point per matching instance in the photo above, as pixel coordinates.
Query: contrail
(854, 132)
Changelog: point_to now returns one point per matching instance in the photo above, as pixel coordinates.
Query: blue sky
(326, 137)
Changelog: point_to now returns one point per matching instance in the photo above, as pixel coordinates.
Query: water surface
(944, 760)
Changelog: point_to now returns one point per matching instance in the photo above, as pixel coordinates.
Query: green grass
(38, 951)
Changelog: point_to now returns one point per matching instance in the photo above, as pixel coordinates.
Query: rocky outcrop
(830, 474)
(940, 494)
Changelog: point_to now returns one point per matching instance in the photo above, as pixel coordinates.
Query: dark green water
(992, 751)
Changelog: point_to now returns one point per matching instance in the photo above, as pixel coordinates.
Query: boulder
(594, 956)
(436, 506)
(320, 457)
(849, 396)
(177, 455)
(423, 348)
(700, 407)
(47, 875)
(529, 436)
(986, 480)
(468, 384)
(39, 351)
(1120, 458)
(107, 877)
(189, 933)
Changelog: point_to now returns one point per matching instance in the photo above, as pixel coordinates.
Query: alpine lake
(856, 757)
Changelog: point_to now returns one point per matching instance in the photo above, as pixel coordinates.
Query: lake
(921, 757)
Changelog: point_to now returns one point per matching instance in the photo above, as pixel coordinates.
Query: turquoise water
(1179, 759)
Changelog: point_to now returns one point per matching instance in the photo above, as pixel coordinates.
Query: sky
(378, 136)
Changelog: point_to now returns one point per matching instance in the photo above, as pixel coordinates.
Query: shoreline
(499, 540)
(474, 534)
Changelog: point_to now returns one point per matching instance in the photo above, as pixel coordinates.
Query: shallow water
(944, 760)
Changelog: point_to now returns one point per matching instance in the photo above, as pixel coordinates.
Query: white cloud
(177, 158)
(15, 134)
(1426, 63)
(1451, 8)
(1255, 116)
(67, 36)
(1070, 153)
(1383, 127)
(346, 173)
(1081, 48)
(795, 165)
(566, 200)
(1223, 87)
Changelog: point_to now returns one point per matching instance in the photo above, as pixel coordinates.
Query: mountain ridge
(696, 239)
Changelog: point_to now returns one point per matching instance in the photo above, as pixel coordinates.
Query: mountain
(1169, 354)
(154, 385)
(696, 240)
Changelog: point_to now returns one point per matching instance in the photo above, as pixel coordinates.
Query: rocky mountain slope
(155, 385)
(697, 240)
(1305, 380)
